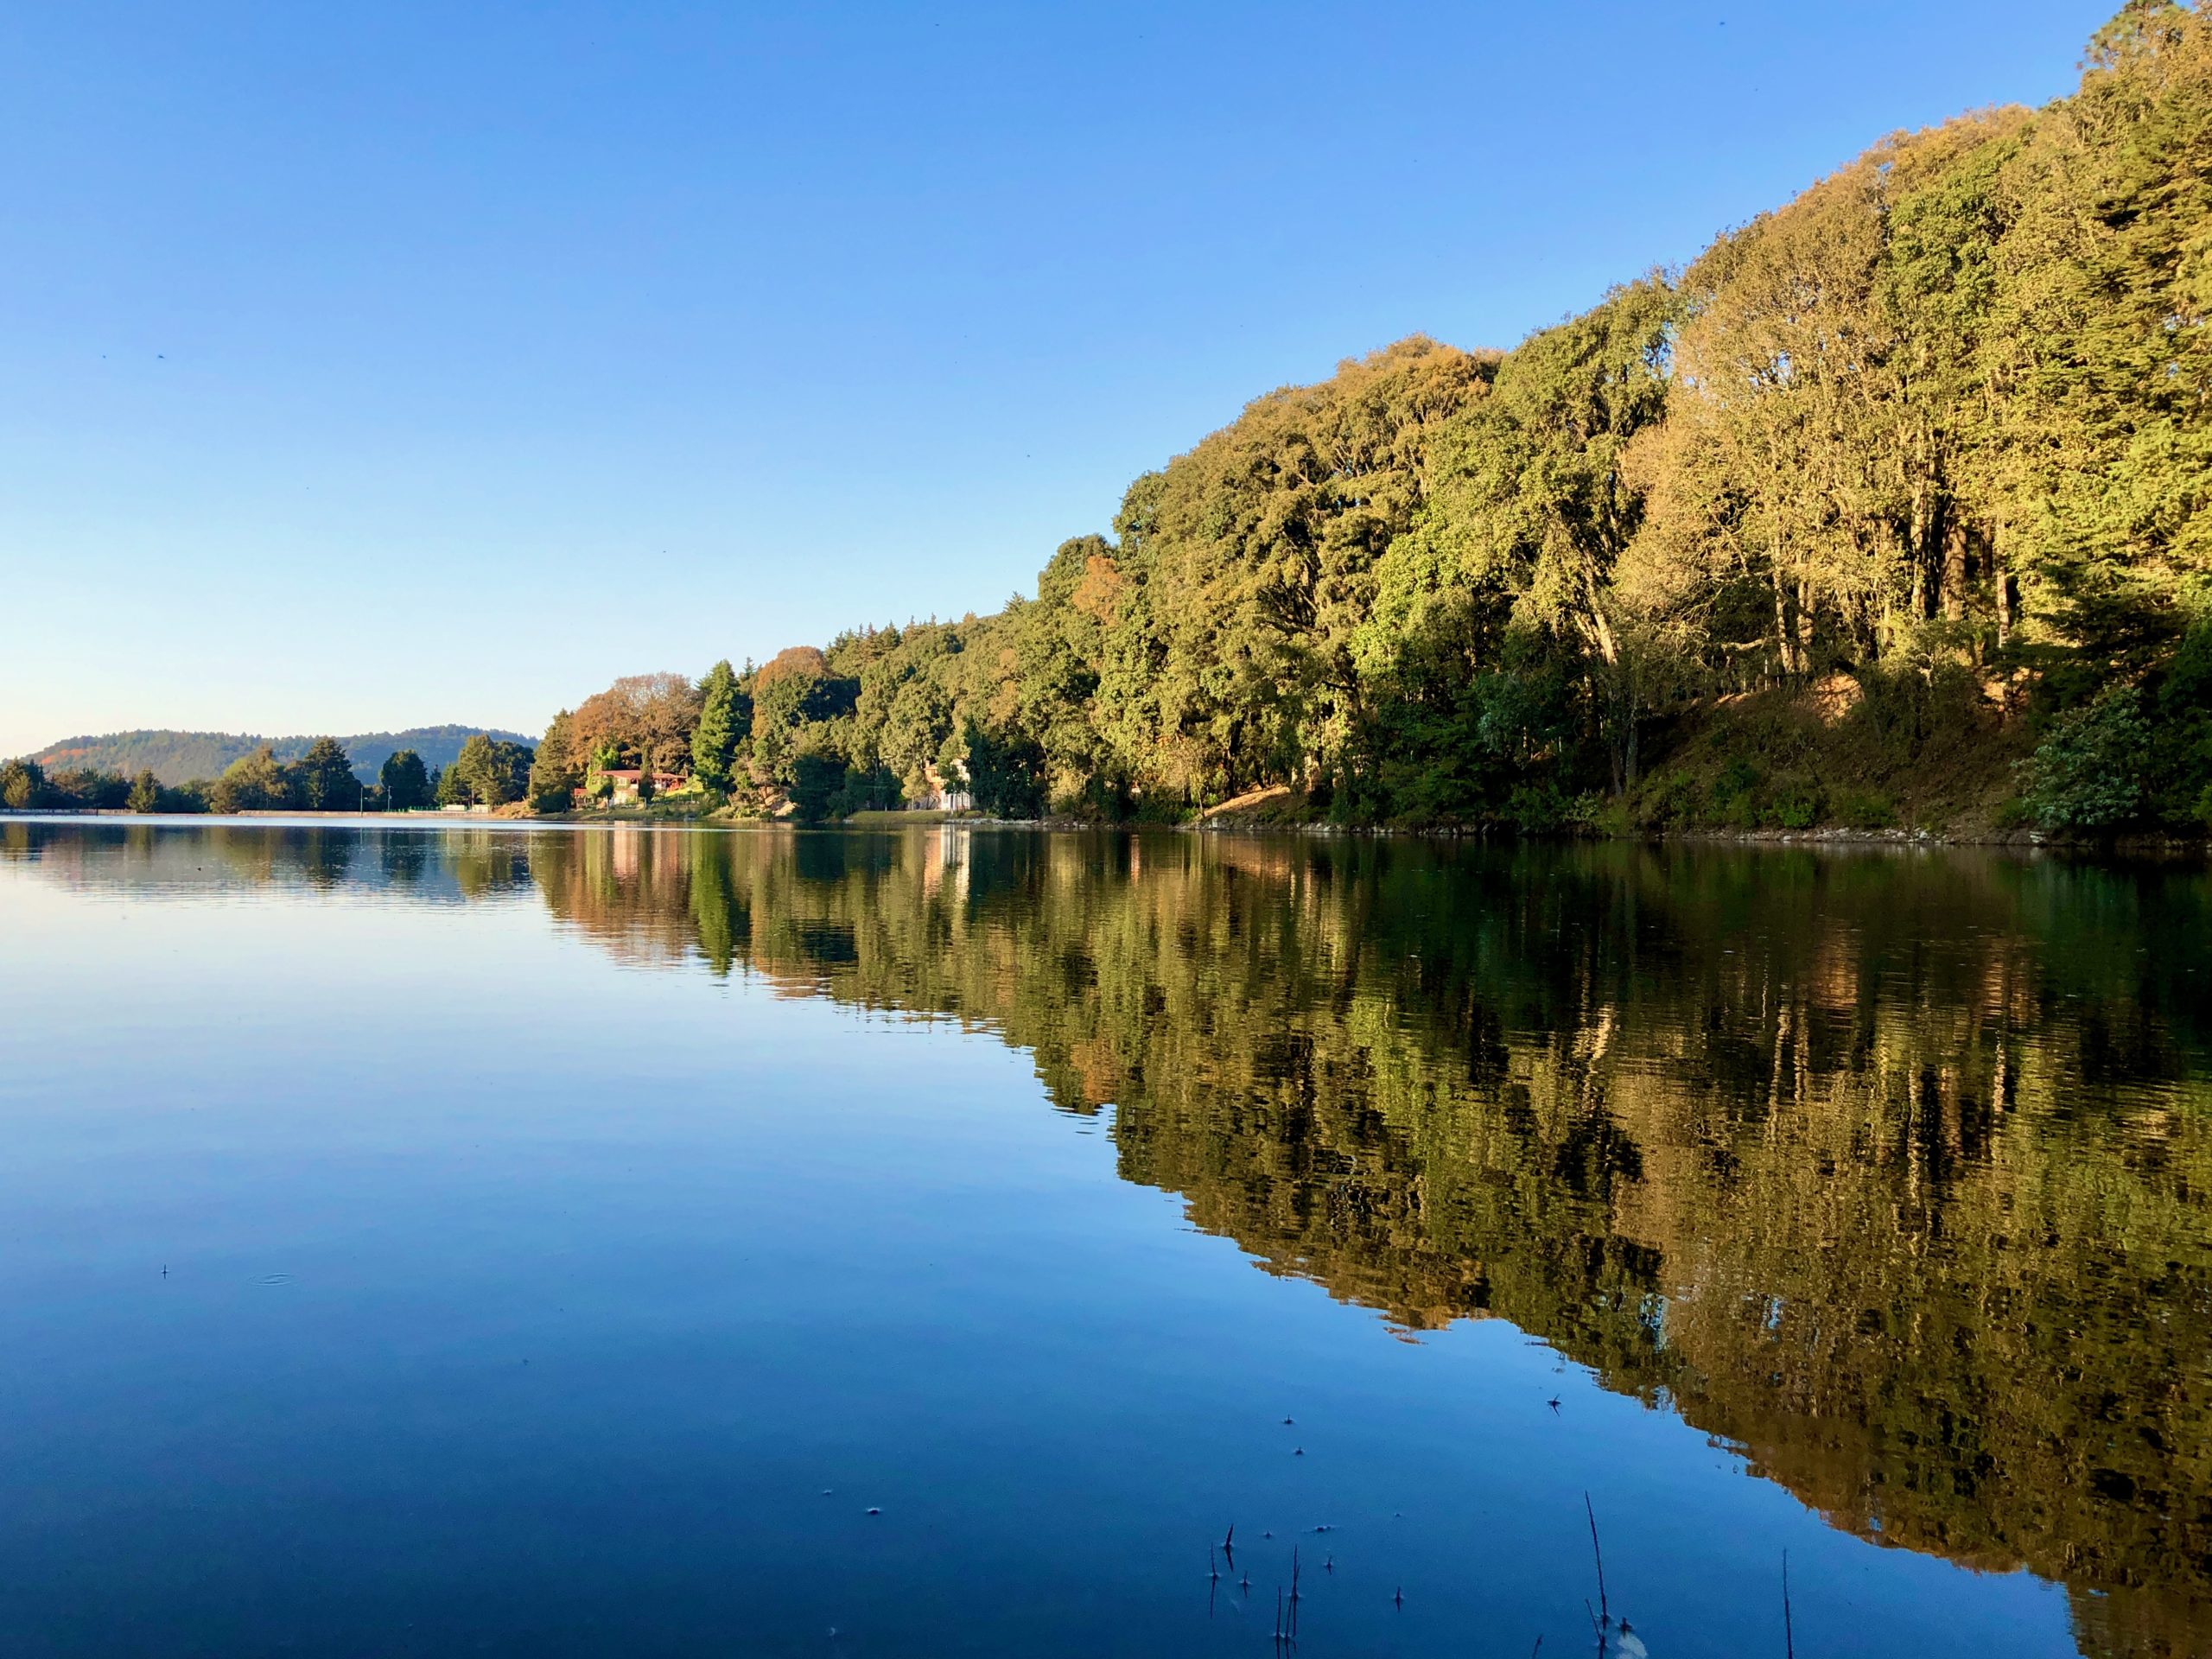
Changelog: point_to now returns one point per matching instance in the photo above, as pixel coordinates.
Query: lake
(468, 1239)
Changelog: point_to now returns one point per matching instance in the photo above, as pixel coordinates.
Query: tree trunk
(1620, 747)
(1917, 549)
(1955, 567)
(1632, 755)
(2006, 596)
(1782, 639)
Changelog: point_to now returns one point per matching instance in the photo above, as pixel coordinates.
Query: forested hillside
(176, 758)
(1891, 506)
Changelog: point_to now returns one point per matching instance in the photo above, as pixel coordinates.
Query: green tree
(490, 771)
(255, 782)
(2089, 773)
(554, 773)
(816, 777)
(1932, 440)
(23, 785)
(145, 793)
(324, 778)
(725, 721)
(405, 781)
(1005, 772)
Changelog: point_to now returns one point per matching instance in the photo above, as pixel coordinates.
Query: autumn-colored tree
(642, 719)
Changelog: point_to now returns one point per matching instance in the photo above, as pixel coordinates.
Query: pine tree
(406, 783)
(725, 714)
(325, 778)
(553, 771)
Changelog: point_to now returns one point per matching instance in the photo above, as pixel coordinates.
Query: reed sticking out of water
(1603, 1611)
(1789, 1636)
(1603, 1618)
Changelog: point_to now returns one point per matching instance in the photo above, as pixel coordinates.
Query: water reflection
(1890, 1170)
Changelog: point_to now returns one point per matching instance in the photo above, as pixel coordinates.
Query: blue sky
(368, 366)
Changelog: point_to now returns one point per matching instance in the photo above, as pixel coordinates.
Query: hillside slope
(178, 757)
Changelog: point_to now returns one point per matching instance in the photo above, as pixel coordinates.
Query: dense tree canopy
(323, 779)
(725, 726)
(1897, 500)
(488, 772)
(257, 782)
(554, 772)
(641, 720)
(405, 781)
(1904, 485)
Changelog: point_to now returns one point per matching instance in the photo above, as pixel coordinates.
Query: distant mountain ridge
(179, 757)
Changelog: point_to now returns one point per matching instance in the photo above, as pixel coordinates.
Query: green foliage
(405, 782)
(2089, 773)
(176, 758)
(256, 782)
(2179, 783)
(818, 776)
(1935, 436)
(554, 773)
(725, 722)
(145, 793)
(23, 785)
(1006, 771)
(796, 689)
(323, 779)
(488, 772)
(1863, 809)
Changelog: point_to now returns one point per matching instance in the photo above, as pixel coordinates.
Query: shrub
(1864, 809)
(2087, 774)
(1922, 692)
(1795, 806)
(1735, 792)
(1667, 798)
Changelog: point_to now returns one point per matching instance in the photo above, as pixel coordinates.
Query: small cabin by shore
(624, 780)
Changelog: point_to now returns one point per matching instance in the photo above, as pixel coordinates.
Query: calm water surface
(424, 1240)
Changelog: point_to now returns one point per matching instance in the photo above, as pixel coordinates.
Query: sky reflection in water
(467, 1240)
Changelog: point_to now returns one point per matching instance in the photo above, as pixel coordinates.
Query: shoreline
(1837, 837)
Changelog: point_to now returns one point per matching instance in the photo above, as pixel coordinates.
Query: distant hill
(179, 757)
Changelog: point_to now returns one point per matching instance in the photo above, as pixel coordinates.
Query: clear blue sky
(363, 366)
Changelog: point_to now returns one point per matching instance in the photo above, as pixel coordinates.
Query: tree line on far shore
(1895, 502)
(1894, 506)
(488, 772)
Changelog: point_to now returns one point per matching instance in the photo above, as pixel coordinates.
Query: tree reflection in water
(1891, 1170)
